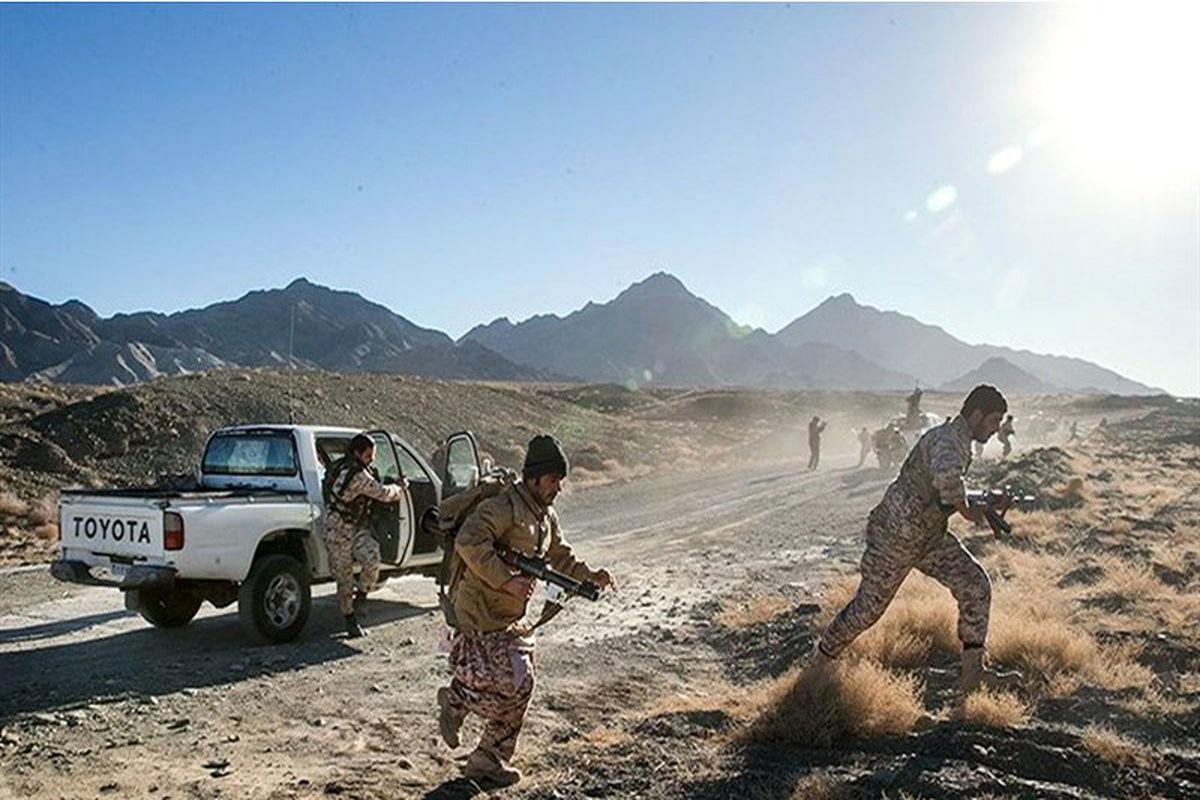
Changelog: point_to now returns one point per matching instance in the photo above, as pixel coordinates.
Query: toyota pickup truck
(250, 528)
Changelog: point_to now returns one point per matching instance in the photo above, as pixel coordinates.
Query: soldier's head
(983, 409)
(545, 469)
(362, 448)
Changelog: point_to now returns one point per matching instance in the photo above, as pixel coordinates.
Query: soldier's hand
(973, 513)
(604, 580)
(520, 586)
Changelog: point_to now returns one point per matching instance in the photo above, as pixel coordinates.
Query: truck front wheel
(275, 599)
(168, 609)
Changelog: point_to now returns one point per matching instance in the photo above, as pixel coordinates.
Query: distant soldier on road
(864, 444)
(815, 428)
(351, 487)
(907, 531)
(1074, 431)
(492, 654)
(1004, 434)
(912, 415)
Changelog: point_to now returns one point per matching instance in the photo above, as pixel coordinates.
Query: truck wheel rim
(282, 601)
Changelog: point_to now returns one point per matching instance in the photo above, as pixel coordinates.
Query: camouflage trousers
(493, 678)
(894, 550)
(345, 545)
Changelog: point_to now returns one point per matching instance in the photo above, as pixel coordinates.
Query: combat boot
(353, 631)
(483, 766)
(975, 674)
(360, 599)
(448, 721)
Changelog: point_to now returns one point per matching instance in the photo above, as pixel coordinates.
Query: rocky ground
(685, 682)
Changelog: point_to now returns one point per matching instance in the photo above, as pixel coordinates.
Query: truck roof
(285, 426)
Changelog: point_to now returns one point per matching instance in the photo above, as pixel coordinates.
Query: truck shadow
(49, 630)
(211, 651)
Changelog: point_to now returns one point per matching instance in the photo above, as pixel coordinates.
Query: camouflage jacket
(517, 521)
(354, 490)
(930, 483)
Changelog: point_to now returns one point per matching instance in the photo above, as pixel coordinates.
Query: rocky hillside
(318, 326)
(657, 330)
(906, 344)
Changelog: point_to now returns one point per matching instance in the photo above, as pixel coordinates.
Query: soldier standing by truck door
(492, 655)
(815, 427)
(350, 487)
(907, 531)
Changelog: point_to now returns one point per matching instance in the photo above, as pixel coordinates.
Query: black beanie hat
(545, 456)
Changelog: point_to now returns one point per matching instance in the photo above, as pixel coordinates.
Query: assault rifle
(995, 504)
(536, 566)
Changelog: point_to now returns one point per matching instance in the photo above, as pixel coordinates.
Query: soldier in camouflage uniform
(353, 487)
(492, 654)
(907, 531)
(1006, 431)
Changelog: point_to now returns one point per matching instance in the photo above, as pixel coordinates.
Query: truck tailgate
(129, 530)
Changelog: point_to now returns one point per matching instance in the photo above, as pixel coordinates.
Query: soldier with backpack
(349, 489)
(492, 654)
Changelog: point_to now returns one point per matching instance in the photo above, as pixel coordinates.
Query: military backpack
(447, 520)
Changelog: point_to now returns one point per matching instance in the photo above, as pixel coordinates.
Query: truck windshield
(250, 453)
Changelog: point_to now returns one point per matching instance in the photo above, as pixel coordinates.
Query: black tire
(275, 599)
(168, 609)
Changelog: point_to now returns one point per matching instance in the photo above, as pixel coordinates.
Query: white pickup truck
(251, 529)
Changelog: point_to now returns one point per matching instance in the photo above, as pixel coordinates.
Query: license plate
(110, 572)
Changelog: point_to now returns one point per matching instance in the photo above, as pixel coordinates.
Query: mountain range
(654, 331)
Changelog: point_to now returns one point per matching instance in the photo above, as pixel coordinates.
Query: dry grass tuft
(1050, 648)
(994, 709)
(12, 506)
(1112, 746)
(744, 612)
(859, 699)
(1073, 491)
(47, 532)
(920, 620)
(44, 510)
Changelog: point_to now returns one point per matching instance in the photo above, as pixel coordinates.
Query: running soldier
(352, 487)
(492, 654)
(907, 531)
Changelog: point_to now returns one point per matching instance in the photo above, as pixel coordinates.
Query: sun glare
(1119, 88)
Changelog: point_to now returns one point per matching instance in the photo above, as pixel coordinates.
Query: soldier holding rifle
(908, 530)
(505, 538)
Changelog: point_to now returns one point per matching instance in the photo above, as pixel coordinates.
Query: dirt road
(97, 703)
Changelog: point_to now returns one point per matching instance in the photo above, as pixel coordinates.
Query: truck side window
(385, 461)
(409, 466)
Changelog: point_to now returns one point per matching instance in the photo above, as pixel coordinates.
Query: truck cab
(250, 528)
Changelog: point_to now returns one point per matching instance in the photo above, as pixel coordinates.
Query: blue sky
(460, 163)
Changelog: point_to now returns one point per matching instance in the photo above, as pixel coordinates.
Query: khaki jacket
(517, 521)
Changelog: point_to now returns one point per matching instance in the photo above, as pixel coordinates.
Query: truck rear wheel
(168, 609)
(275, 599)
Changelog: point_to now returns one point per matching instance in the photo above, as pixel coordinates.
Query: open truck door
(392, 523)
(458, 462)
